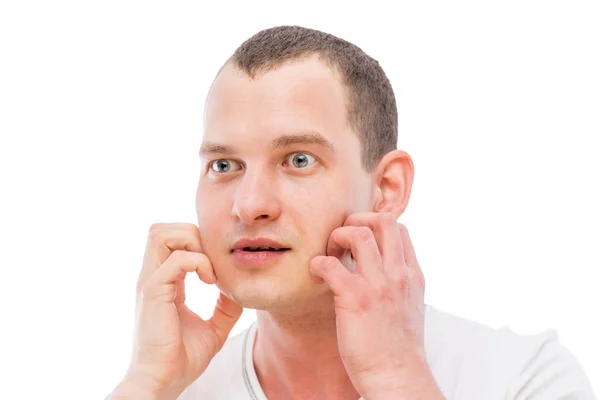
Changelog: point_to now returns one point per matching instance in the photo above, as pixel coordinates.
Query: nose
(256, 198)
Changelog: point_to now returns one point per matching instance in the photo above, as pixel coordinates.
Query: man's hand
(379, 307)
(172, 345)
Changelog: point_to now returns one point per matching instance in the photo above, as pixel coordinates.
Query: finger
(333, 272)
(409, 251)
(361, 242)
(415, 273)
(163, 284)
(174, 225)
(162, 240)
(387, 235)
(226, 314)
(180, 298)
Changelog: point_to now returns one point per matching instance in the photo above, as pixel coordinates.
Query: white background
(101, 121)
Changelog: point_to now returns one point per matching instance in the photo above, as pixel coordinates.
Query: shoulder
(223, 378)
(469, 358)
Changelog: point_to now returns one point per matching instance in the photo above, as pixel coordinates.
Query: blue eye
(300, 160)
(224, 165)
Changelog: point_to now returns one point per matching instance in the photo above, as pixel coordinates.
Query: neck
(296, 354)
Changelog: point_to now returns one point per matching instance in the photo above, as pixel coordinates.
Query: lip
(258, 258)
(248, 259)
(257, 242)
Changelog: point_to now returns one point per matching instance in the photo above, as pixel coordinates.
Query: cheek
(342, 194)
(209, 213)
(209, 202)
(324, 205)
(320, 199)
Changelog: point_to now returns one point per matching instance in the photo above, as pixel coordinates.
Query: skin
(264, 194)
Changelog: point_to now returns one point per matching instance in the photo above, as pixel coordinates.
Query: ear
(393, 182)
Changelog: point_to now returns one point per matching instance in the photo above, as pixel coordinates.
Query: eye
(224, 165)
(300, 160)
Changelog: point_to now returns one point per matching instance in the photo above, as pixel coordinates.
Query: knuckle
(364, 234)
(340, 231)
(352, 219)
(362, 302)
(400, 280)
(185, 258)
(179, 255)
(388, 218)
(403, 229)
(155, 232)
(190, 226)
(326, 264)
(349, 220)
(201, 260)
(421, 280)
(157, 226)
(188, 260)
(200, 257)
(389, 222)
(384, 291)
(176, 258)
(330, 262)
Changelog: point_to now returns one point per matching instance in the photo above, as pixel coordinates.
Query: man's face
(278, 162)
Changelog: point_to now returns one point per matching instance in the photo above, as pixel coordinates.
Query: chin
(251, 293)
(270, 296)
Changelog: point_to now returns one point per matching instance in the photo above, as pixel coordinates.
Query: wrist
(414, 382)
(129, 389)
(140, 387)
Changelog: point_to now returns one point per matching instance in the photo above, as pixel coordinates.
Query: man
(298, 199)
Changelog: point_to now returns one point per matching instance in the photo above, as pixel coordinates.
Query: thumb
(226, 314)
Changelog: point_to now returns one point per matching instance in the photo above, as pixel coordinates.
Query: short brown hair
(371, 103)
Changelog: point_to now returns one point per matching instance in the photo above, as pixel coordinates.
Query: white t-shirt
(469, 361)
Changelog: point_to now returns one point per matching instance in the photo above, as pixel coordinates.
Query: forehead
(304, 95)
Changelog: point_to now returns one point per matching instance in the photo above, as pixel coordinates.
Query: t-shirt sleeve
(551, 372)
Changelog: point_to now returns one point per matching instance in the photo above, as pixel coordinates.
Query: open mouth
(258, 249)
(259, 252)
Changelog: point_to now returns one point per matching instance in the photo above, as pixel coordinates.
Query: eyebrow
(278, 143)
(215, 148)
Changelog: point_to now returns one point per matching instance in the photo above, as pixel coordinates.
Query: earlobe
(394, 177)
